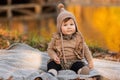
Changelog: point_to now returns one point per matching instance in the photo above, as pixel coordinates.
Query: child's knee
(77, 65)
(53, 65)
(84, 70)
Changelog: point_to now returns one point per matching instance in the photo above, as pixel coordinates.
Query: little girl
(67, 48)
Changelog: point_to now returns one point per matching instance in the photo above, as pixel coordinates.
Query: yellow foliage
(46, 31)
(113, 39)
(106, 20)
(101, 24)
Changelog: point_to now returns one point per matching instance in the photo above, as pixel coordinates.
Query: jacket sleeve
(50, 49)
(88, 55)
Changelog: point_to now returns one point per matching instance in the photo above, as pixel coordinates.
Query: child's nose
(69, 27)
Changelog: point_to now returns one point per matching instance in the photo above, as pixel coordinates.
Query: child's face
(68, 27)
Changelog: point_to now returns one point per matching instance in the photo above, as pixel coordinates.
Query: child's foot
(85, 70)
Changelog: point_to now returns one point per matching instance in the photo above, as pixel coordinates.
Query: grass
(96, 49)
(33, 39)
(37, 41)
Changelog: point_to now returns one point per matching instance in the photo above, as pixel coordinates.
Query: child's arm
(52, 53)
(88, 56)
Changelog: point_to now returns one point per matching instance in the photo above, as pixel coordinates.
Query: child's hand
(91, 66)
(56, 59)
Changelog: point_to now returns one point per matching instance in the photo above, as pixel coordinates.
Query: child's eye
(71, 24)
(65, 24)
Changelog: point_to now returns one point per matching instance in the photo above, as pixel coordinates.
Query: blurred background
(33, 22)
